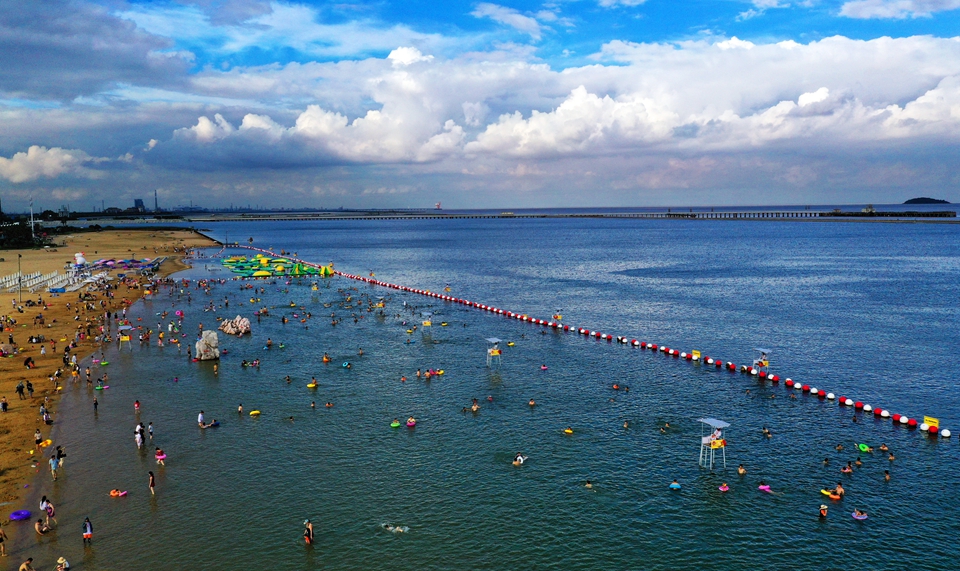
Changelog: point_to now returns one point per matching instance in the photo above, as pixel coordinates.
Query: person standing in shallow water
(87, 531)
(152, 483)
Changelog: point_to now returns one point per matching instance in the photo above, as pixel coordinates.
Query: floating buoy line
(879, 413)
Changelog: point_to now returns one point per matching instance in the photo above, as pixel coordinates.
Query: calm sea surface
(869, 311)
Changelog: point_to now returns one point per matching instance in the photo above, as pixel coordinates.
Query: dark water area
(864, 310)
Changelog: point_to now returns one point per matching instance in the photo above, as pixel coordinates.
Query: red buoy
(912, 423)
(896, 417)
(933, 430)
(858, 405)
(877, 412)
(806, 388)
(762, 374)
(821, 393)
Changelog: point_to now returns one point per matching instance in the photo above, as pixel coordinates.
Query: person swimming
(823, 511)
(588, 484)
(848, 469)
(891, 457)
(858, 462)
(532, 403)
(838, 491)
(518, 459)
(741, 470)
(883, 447)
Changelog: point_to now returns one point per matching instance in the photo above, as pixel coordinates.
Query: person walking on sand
(3, 539)
(152, 483)
(38, 438)
(87, 531)
(54, 464)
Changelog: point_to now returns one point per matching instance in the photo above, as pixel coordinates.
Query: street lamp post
(19, 278)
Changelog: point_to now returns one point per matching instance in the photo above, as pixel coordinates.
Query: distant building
(138, 205)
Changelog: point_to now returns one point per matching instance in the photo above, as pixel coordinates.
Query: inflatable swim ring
(104, 363)
(510, 343)
(765, 488)
(117, 493)
(312, 386)
(543, 367)
(19, 515)
(411, 423)
(568, 431)
(859, 517)
(724, 488)
(832, 495)
(254, 413)
(214, 424)
(161, 457)
(395, 424)
(46, 443)
(674, 486)
(863, 447)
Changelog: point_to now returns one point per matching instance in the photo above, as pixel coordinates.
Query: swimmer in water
(590, 485)
(313, 404)
(839, 447)
(741, 470)
(532, 403)
(886, 475)
(848, 469)
(823, 511)
(518, 459)
(891, 457)
(329, 405)
(839, 491)
(883, 448)
(240, 408)
(859, 513)
(307, 531)
(766, 432)
(858, 462)
(826, 461)
(626, 424)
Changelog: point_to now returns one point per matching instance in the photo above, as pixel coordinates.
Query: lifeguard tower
(493, 352)
(712, 441)
(125, 334)
(762, 362)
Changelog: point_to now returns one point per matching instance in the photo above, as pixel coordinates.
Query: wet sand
(18, 424)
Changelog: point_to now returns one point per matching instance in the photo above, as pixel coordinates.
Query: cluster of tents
(261, 266)
(131, 264)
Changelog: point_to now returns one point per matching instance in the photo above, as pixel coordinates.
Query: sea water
(861, 309)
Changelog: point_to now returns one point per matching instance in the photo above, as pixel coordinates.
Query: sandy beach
(58, 326)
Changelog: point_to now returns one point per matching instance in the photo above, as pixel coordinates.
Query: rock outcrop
(208, 346)
(236, 326)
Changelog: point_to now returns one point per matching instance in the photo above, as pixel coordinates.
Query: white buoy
(753, 371)
(831, 396)
(683, 355)
(945, 433)
(924, 426)
(710, 361)
(867, 408)
(885, 414)
(904, 420)
(848, 402)
(813, 391)
(695, 358)
(797, 386)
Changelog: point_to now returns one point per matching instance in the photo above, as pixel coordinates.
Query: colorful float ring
(20, 515)
(674, 486)
(312, 385)
(863, 447)
(164, 456)
(724, 488)
(859, 517)
(254, 413)
(411, 424)
(568, 431)
(395, 424)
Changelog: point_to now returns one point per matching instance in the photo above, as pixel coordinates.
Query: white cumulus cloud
(39, 162)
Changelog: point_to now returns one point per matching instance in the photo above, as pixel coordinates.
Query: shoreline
(17, 483)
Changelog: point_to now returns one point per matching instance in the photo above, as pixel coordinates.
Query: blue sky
(568, 103)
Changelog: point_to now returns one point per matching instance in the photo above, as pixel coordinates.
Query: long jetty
(774, 215)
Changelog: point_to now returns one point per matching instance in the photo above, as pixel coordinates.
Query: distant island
(925, 200)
